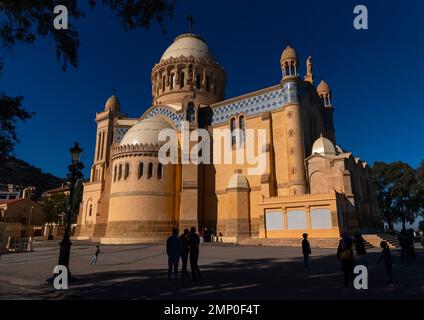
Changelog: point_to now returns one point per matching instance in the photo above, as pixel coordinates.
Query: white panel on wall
(274, 220)
(296, 220)
(321, 219)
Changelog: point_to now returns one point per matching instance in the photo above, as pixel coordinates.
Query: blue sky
(376, 75)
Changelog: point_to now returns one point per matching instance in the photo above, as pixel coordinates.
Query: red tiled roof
(59, 189)
(10, 201)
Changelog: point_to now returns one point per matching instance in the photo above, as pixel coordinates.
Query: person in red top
(185, 250)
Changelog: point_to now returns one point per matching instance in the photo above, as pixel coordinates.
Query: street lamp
(74, 177)
(75, 153)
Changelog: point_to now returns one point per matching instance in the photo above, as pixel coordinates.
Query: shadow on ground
(254, 279)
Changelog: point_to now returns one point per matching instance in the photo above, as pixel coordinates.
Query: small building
(64, 188)
(21, 217)
(9, 192)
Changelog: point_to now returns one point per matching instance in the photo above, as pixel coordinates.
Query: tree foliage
(399, 192)
(54, 206)
(11, 110)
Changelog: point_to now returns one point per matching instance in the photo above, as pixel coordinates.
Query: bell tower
(294, 128)
(105, 121)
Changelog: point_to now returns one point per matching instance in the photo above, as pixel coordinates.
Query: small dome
(323, 88)
(188, 45)
(289, 54)
(146, 132)
(323, 146)
(238, 181)
(112, 104)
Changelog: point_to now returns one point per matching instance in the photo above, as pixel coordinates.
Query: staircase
(375, 240)
(290, 243)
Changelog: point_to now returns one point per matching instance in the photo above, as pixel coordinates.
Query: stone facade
(310, 184)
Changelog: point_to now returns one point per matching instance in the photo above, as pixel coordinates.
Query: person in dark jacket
(404, 246)
(173, 251)
(185, 250)
(306, 250)
(386, 257)
(411, 245)
(360, 250)
(194, 244)
(96, 256)
(345, 255)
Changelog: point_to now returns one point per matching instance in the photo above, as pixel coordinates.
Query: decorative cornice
(136, 150)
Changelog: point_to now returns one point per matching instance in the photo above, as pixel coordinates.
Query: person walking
(411, 245)
(386, 257)
(173, 251)
(360, 250)
(404, 246)
(306, 250)
(184, 253)
(345, 255)
(96, 255)
(194, 244)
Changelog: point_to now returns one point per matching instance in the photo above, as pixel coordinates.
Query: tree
(11, 110)
(54, 206)
(398, 192)
(25, 21)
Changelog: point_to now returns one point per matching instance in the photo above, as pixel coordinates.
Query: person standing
(411, 245)
(173, 252)
(184, 253)
(194, 244)
(404, 246)
(345, 255)
(386, 256)
(306, 250)
(360, 250)
(96, 255)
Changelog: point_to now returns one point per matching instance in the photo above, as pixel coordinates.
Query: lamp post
(74, 176)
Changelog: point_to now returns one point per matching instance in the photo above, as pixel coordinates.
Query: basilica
(309, 184)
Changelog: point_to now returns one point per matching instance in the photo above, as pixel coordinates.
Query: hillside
(18, 172)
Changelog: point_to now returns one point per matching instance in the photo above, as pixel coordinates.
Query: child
(96, 254)
(386, 256)
(306, 250)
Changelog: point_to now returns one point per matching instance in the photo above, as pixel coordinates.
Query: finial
(287, 42)
(190, 23)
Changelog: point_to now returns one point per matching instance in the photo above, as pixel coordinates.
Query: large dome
(189, 45)
(146, 132)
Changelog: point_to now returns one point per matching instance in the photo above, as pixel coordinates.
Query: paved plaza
(229, 272)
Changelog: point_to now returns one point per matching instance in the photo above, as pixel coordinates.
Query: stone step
(375, 240)
(294, 243)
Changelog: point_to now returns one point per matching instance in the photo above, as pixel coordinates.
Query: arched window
(115, 174)
(172, 81)
(242, 126)
(232, 129)
(150, 171)
(160, 171)
(182, 80)
(208, 84)
(198, 81)
(163, 83)
(127, 171)
(98, 145)
(120, 172)
(287, 69)
(140, 170)
(191, 113)
(90, 212)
